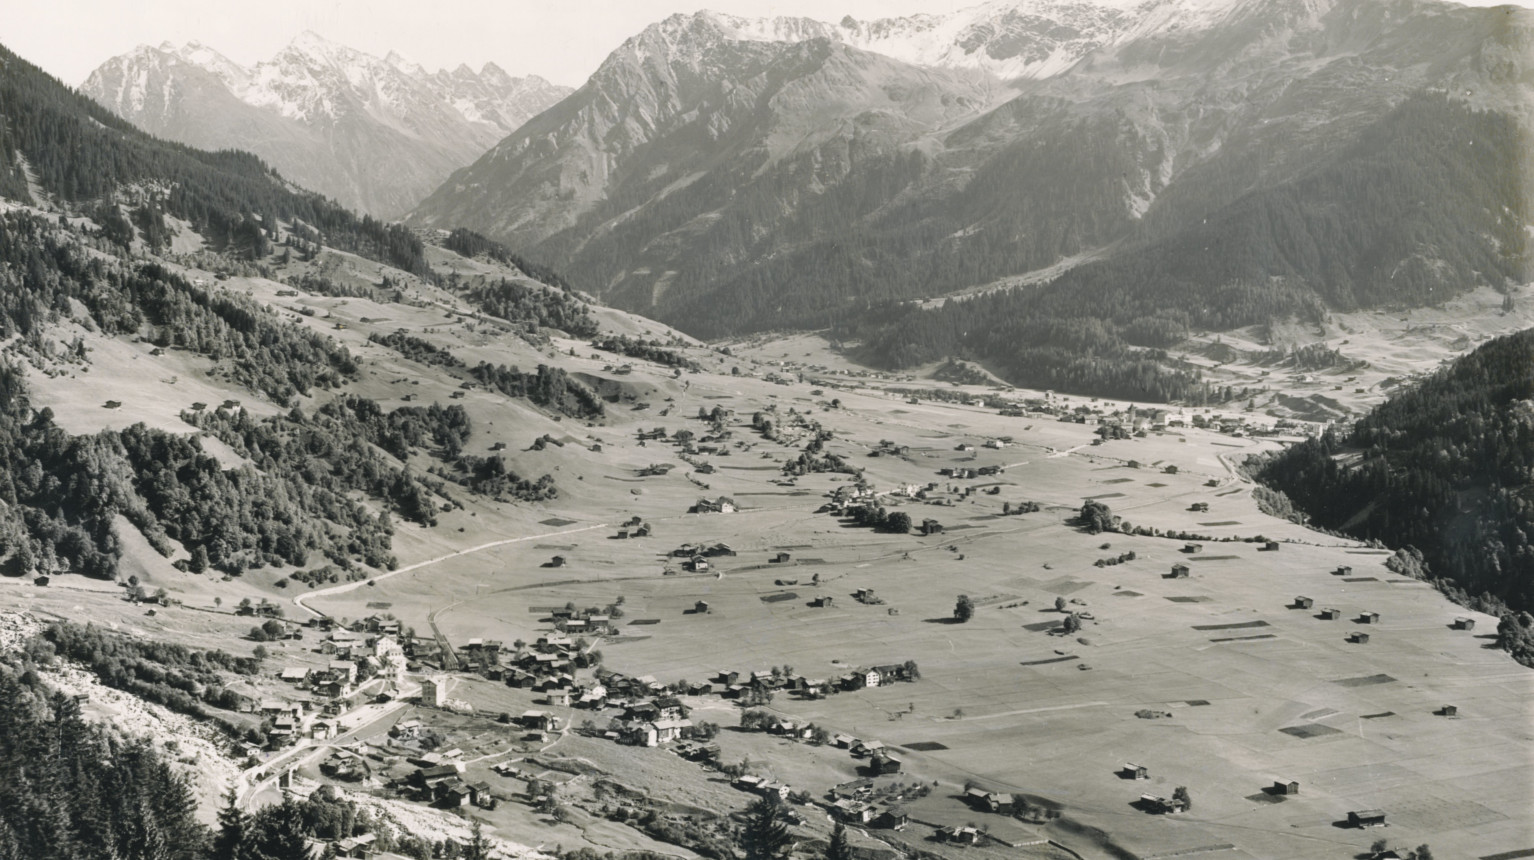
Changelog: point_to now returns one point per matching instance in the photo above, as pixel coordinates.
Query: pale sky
(562, 40)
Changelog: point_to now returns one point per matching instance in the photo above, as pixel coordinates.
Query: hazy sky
(562, 40)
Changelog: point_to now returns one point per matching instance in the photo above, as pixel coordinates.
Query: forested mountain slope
(319, 478)
(1446, 467)
(729, 176)
(1357, 229)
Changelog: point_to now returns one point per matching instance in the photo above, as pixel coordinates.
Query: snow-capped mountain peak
(331, 96)
(1011, 39)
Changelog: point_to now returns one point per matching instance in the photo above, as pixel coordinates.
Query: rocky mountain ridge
(375, 133)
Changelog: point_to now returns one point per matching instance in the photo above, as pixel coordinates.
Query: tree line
(1445, 467)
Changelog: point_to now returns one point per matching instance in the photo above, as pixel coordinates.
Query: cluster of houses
(696, 557)
(855, 803)
(367, 651)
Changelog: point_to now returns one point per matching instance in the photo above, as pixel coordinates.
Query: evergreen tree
(478, 847)
(839, 849)
(280, 832)
(766, 835)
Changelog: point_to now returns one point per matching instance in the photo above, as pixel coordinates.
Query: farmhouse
(853, 811)
(991, 801)
(958, 835)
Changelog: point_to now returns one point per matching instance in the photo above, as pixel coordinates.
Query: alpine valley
(1046, 431)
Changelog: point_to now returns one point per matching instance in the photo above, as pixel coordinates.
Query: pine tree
(281, 834)
(478, 847)
(766, 835)
(233, 829)
(839, 849)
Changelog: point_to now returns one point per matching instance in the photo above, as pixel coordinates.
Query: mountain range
(728, 175)
(376, 134)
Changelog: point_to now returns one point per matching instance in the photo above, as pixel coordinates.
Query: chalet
(721, 505)
(871, 678)
(343, 670)
(1331, 614)
(884, 764)
(429, 776)
(845, 741)
(1163, 805)
(670, 708)
(540, 720)
(697, 564)
(280, 708)
(295, 674)
(1179, 571)
(1369, 618)
(959, 835)
(853, 811)
(643, 734)
(333, 688)
(359, 846)
(451, 793)
(667, 731)
(1303, 602)
(868, 748)
(719, 549)
(1285, 787)
(893, 818)
(1366, 818)
(1464, 624)
(1135, 771)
